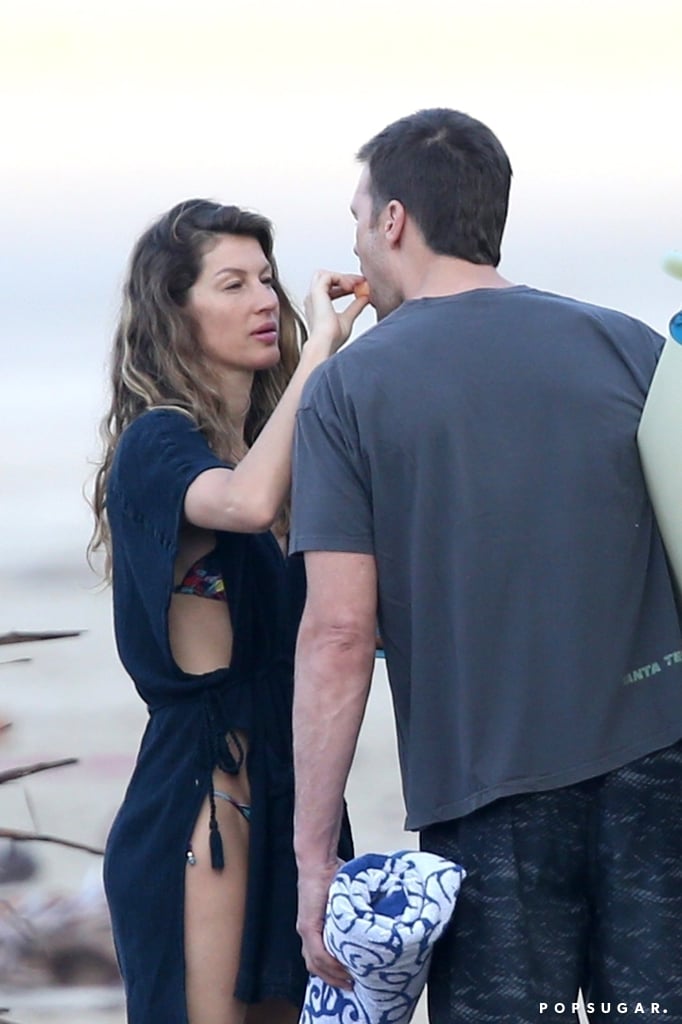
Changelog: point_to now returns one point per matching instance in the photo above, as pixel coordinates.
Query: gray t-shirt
(482, 447)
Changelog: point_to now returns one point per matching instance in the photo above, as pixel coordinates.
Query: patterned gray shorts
(579, 887)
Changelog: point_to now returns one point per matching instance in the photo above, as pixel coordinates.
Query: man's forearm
(333, 676)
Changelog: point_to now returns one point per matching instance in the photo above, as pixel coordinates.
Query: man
(468, 471)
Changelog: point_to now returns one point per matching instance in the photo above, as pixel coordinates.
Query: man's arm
(334, 663)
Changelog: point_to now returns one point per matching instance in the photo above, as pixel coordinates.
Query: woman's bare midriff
(200, 629)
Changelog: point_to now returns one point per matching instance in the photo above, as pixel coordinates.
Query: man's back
(525, 603)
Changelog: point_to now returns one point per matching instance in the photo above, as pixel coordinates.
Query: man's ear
(394, 221)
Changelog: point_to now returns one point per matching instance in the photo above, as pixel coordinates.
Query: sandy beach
(72, 699)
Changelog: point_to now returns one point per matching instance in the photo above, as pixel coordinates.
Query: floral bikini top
(204, 578)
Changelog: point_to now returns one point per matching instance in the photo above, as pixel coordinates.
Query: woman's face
(235, 307)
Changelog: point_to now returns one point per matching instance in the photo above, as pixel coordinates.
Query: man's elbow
(343, 638)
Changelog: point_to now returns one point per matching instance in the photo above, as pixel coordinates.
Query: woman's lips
(268, 334)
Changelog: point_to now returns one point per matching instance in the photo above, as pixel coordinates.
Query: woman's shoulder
(158, 422)
(160, 444)
(154, 432)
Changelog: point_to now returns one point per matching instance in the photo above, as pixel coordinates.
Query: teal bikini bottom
(243, 809)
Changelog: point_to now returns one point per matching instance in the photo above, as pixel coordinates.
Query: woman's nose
(267, 296)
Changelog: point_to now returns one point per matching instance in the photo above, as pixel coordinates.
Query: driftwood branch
(30, 769)
(39, 837)
(23, 637)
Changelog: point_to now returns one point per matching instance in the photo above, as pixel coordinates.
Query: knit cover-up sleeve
(159, 455)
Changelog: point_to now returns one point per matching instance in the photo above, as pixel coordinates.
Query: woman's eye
(269, 281)
(232, 286)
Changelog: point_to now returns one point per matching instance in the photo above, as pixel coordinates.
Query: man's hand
(313, 889)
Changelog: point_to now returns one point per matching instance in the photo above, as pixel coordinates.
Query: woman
(191, 507)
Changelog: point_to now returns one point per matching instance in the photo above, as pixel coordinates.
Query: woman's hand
(328, 327)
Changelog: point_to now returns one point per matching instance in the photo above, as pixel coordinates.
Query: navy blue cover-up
(158, 457)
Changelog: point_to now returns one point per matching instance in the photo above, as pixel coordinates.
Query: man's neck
(446, 275)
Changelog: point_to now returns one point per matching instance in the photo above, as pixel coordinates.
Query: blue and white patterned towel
(384, 913)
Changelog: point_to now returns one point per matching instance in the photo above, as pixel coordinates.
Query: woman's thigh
(214, 911)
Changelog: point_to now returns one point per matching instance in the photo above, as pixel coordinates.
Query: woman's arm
(249, 498)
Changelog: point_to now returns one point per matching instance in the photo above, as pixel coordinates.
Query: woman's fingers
(324, 320)
(347, 284)
(352, 312)
(334, 285)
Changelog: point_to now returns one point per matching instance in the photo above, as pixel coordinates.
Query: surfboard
(659, 438)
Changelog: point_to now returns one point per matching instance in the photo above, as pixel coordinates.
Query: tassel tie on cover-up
(219, 756)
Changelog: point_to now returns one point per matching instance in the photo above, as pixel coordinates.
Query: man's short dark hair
(451, 174)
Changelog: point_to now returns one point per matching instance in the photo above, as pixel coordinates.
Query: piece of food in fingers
(361, 290)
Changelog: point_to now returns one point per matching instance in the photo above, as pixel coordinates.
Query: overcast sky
(114, 111)
(117, 110)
